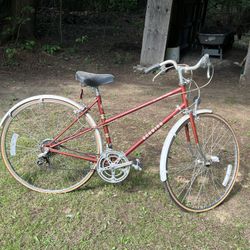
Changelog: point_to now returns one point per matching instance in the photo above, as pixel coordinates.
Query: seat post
(97, 92)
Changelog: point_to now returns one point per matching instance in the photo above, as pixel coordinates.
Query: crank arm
(125, 164)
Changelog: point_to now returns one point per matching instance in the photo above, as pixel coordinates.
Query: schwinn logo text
(152, 131)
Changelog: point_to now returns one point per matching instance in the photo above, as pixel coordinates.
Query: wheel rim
(35, 123)
(192, 183)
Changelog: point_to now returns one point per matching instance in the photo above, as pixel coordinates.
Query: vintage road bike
(51, 144)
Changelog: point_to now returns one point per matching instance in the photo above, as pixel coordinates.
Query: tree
(18, 19)
(23, 12)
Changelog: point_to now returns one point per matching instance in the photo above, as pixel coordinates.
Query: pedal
(137, 165)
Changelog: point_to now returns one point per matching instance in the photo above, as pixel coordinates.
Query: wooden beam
(245, 77)
(155, 31)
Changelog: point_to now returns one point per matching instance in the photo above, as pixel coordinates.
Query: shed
(170, 24)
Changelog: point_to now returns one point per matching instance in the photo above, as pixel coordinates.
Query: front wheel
(200, 177)
(32, 125)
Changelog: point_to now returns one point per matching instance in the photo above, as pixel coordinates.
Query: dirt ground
(42, 74)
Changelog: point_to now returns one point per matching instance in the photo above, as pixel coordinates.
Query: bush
(51, 49)
(28, 45)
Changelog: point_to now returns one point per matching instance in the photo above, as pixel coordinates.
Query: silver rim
(196, 184)
(36, 122)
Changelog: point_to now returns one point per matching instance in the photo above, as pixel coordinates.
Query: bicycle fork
(194, 130)
(205, 160)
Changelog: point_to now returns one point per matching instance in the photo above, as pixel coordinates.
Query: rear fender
(9, 113)
(41, 97)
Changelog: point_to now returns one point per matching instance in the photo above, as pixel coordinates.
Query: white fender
(60, 98)
(168, 140)
(37, 98)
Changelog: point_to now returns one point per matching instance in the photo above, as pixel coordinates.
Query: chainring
(113, 166)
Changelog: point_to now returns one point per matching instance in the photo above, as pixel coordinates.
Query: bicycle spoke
(195, 184)
(36, 124)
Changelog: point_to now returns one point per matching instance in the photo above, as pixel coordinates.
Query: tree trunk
(245, 77)
(155, 31)
(26, 30)
(5, 7)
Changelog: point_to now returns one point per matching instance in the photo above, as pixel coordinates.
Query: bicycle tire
(35, 121)
(192, 184)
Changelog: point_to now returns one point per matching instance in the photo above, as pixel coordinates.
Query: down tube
(156, 128)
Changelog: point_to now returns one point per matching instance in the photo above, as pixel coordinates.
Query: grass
(134, 215)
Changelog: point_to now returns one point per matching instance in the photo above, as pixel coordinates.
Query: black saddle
(93, 80)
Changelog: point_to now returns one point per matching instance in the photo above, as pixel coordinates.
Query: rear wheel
(194, 183)
(33, 125)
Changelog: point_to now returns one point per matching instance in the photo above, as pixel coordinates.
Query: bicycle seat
(93, 80)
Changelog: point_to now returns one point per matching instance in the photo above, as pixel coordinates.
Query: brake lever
(163, 69)
(160, 72)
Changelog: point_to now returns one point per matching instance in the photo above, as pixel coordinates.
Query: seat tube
(103, 118)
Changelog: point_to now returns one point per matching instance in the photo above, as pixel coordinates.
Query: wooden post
(245, 77)
(155, 31)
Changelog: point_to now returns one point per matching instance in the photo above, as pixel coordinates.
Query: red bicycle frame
(105, 122)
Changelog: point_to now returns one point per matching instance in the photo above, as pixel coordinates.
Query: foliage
(28, 45)
(23, 19)
(82, 39)
(234, 13)
(102, 5)
(121, 58)
(124, 5)
(230, 4)
(16, 22)
(51, 49)
(13, 30)
(10, 53)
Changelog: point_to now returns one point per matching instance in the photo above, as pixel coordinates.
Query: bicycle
(51, 144)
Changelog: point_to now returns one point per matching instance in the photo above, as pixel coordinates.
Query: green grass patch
(136, 214)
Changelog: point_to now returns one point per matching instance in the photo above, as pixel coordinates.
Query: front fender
(168, 140)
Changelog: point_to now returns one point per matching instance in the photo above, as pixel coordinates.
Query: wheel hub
(44, 144)
(44, 157)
